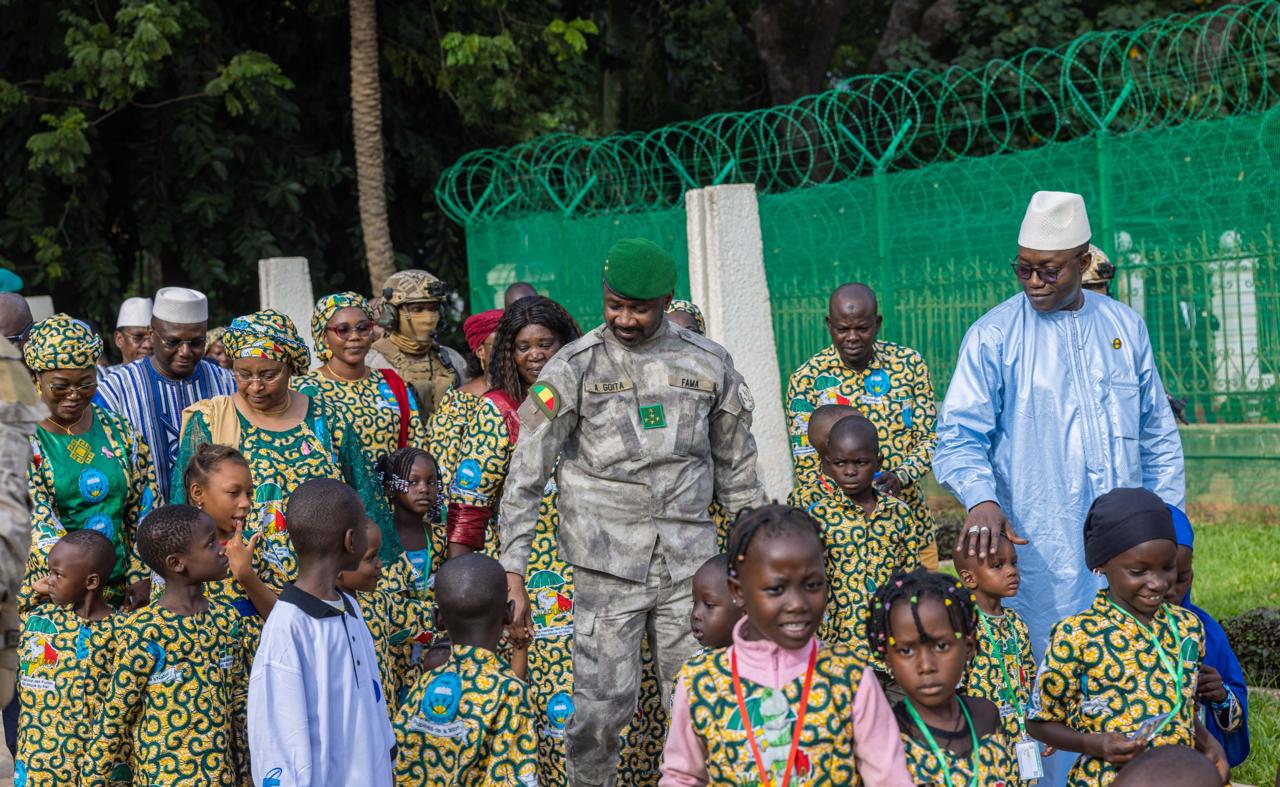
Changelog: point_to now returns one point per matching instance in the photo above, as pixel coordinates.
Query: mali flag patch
(546, 397)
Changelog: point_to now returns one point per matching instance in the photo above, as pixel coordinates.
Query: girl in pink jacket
(779, 708)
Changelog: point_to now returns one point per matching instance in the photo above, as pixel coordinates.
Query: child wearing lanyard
(1120, 677)
(923, 625)
(1003, 668)
(778, 707)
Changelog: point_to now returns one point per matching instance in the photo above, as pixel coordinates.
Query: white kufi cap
(181, 305)
(135, 313)
(1055, 221)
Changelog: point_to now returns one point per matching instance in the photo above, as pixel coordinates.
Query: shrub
(1255, 637)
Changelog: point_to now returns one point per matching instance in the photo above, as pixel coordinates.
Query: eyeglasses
(62, 390)
(137, 337)
(194, 345)
(344, 331)
(1047, 275)
(266, 378)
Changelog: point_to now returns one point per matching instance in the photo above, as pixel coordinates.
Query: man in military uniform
(410, 314)
(649, 422)
(20, 411)
(886, 382)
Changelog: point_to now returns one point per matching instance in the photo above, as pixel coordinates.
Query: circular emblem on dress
(94, 485)
(467, 477)
(559, 709)
(744, 396)
(877, 383)
(101, 523)
(440, 703)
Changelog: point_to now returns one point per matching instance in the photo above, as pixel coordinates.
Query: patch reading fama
(613, 386)
(692, 383)
(546, 398)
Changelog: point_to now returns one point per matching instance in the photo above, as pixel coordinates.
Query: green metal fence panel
(916, 183)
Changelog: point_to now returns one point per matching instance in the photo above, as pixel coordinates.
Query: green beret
(639, 270)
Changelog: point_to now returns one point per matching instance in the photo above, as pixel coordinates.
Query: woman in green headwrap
(376, 401)
(89, 468)
(288, 438)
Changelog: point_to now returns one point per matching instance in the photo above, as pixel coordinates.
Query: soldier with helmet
(410, 314)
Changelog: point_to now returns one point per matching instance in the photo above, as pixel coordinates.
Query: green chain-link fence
(916, 183)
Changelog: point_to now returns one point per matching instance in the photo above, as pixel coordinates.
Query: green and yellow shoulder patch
(546, 398)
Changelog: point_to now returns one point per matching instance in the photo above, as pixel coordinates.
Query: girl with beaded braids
(411, 480)
(924, 625)
(779, 705)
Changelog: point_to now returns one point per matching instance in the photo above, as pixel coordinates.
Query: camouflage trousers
(611, 617)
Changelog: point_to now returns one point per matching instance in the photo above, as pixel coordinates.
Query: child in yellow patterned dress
(395, 621)
(411, 480)
(1121, 676)
(66, 659)
(869, 536)
(924, 625)
(816, 433)
(468, 722)
(1002, 669)
(780, 706)
(174, 695)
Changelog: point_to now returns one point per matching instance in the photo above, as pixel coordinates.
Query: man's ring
(986, 529)
(973, 529)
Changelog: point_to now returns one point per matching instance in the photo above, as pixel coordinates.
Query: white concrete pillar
(726, 279)
(284, 284)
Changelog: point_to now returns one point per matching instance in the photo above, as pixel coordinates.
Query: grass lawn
(1238, 568)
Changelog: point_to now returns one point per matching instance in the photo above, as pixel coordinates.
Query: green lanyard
(1174, 668)
(1009, 692)
(933, 745)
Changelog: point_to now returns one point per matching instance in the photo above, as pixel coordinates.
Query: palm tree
(366, 122)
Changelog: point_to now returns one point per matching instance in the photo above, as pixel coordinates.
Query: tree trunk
(366, 123)
(795, 40)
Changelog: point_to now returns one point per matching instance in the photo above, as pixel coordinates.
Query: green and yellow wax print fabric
(64, 674)
(447, 431)
(466, 723)
(397, 623)
(1004, 647)
(1102, 673)
(862, 552)
(61, 342)
(826, 753)
(996, 763)
(325, 308)
(103, 480)
(324, 445)
(371, 407)
(267, 334)
(173, 701)
(484, 458)
(894, 392)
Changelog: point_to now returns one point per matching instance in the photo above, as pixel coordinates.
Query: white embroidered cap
(181, 305)
(1055, 221)
(134, 313)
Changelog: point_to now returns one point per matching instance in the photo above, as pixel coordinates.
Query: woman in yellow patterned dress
(89, 468)
(924, 625)
(449, 422)
(376, 401)
(288, 437)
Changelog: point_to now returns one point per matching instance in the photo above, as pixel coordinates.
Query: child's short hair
(825, 417)
(394, 468)
(1169, 766)
(166, 531)
(319, 513)
(854, 427)
(913, 588)
(717, 563)
(471, 590)
(205, 461)
(98, 551)
(772, 519)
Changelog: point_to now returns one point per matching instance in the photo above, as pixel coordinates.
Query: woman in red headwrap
(448, 425)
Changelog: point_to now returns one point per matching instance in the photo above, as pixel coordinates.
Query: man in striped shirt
(153, 391)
